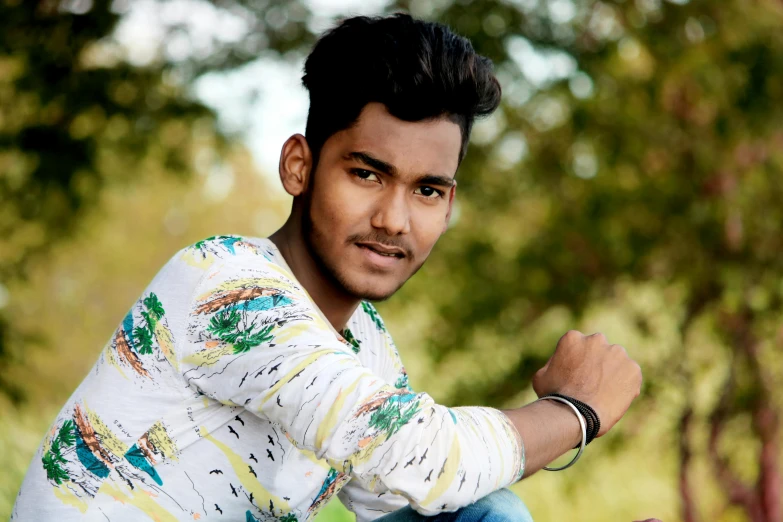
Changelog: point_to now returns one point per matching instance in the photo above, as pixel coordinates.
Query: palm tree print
(373, 313)
(144, 334)
(350, 339)
(225, 326)
(250, 339)
(142, 340)
(394, 413)
(226, 241)
(154, 307)
(53, 459)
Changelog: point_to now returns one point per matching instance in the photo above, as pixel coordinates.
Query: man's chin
(372, 290)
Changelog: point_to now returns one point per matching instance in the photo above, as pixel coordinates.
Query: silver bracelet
(581, 425)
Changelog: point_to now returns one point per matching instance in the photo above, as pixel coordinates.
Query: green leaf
(373, 313)
(143, 338)
(53, 469)
(248, 339)
(353, 341)
(67, 433)
(224, 325)
(53, 458)
(154, 306)
(55, 451)
(395, 412)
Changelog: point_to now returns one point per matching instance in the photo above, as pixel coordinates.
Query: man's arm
(255, 341)
(586, 368)
(369, 505)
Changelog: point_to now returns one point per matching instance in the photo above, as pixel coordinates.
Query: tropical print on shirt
(224, 393)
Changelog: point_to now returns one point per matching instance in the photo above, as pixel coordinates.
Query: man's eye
(429, 192)
(366, 175)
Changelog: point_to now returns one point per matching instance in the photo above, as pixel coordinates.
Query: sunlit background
(630, 183)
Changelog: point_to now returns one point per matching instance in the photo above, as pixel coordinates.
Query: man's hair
(418, 70)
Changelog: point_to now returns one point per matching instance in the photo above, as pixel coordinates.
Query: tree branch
(737, 492)
(686, 494)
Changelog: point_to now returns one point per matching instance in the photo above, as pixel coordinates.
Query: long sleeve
(369, 505)
(254, 339)
(384, 359)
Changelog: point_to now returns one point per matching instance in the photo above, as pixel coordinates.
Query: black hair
(419, 70)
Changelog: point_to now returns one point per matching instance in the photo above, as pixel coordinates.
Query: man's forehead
(429, 146)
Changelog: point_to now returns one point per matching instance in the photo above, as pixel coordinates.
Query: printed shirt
(225, 394)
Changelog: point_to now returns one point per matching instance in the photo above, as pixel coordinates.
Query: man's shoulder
(225, 252)
(231, 246)
(221, 257)
(243, 269)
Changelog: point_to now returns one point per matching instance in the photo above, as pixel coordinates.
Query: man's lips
(383, 250)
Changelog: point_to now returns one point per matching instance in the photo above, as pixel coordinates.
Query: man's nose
(392, 213)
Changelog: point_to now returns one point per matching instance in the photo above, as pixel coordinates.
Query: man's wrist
(548, 430)
(572, 430)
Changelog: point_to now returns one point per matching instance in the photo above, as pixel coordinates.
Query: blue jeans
(500, 506)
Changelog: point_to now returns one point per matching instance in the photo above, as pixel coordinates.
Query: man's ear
(452, 193)
(296, 162)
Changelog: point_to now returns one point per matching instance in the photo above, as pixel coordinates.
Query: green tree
(53, 459)
(638, 146)
(75, 114)
(655, 160)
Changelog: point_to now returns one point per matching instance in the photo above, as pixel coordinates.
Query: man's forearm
(548, 430)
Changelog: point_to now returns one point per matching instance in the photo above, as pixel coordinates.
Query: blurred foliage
(76, 112)
(656, 160)
(630, 183)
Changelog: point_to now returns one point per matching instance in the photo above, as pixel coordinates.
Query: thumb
(538, 377)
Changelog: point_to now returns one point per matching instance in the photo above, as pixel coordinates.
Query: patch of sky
(144, 30)
(540, 66)
(219, 182)
(561, 11)
(581, 85)
(605, 24)
(583, 160)
(511, 149)
(486, 130)
(263, 101)
(548, 112)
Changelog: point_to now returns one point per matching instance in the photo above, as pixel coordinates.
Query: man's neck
(334, 303)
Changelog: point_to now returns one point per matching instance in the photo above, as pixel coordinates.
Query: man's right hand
(588, 368)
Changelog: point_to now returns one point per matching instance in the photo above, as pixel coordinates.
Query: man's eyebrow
(388, 168)
(434, 179)
(363, 157)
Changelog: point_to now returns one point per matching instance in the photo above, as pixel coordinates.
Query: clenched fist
(588, 368)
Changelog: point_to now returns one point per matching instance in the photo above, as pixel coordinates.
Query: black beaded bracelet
(591, 417)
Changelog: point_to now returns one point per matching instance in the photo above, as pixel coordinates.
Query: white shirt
(225, 394)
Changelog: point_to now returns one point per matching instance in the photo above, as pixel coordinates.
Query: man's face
(380, 198)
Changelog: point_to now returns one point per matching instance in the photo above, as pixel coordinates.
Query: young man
(253, 380)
